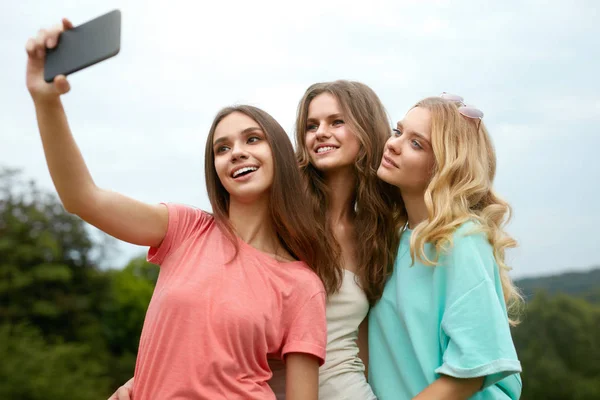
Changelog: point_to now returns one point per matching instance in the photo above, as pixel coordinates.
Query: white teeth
(323, 149)
(242, 170)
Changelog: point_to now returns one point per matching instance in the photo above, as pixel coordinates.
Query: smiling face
(329, 142)
(408, 158)
(243, 159)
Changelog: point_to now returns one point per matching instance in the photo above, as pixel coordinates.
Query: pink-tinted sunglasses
(466, 110)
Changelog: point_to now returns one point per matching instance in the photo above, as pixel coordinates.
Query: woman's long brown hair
(378, 205)
(291, 218)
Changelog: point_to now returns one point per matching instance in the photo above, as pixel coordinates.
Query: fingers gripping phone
(84, 46)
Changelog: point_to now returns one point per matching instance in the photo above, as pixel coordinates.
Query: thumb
(61, 84)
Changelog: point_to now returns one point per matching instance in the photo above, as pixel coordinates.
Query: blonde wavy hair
(461, 189)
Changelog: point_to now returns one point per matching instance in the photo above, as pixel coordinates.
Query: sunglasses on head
(466, 110)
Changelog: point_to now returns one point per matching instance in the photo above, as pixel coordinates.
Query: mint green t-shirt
(449, 319)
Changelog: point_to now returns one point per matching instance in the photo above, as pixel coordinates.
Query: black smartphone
(84, 45)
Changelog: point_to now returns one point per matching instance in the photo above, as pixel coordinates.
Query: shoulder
(178, 209)
(188, 218)
(469, 259)
(469, 239)
(309, 283)
(299, 286)
(184, 222)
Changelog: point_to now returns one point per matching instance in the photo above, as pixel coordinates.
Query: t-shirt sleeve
(307, 332)
(184, 221)
(475, 331)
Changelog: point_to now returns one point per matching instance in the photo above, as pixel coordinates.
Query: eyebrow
(243, 133)
(332, 116)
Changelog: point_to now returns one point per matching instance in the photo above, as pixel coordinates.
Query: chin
(248, 193)
(330, 165)
(386, 176)
(247, 196)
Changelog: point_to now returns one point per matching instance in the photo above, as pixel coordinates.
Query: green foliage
(33, 368)
(123, 316)
(47, 276)
(581, 284)
(68, 329)
(559, 348)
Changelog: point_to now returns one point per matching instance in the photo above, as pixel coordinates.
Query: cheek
(422, 166)
(309, 141)
(220, 167)
(351, 142)
(268, 162)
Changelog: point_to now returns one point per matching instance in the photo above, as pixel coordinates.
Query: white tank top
(342, 376)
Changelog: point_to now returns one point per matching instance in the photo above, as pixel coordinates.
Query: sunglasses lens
(471, 112)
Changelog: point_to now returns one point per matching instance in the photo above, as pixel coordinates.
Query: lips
(389, 161)
(325, 148)
(243, 170)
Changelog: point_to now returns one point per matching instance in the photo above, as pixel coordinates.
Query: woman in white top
(341, 129)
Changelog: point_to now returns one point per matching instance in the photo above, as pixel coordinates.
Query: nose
(394, 144)
(322, 132)
(238, 152)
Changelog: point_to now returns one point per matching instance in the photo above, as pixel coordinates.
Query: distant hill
(584, 284)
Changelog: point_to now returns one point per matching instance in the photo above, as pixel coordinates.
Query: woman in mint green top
(441, 329)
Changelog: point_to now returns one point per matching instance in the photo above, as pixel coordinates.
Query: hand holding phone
(65, 49)
(36, 56)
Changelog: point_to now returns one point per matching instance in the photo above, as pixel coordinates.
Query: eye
(221, 149)
(253, 139)
(311, 127)
(338, 122)
(396, 132)
(416, 144)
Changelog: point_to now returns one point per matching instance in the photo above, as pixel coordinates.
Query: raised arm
(119, 216)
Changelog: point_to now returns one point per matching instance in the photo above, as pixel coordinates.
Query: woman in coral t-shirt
(236, 287)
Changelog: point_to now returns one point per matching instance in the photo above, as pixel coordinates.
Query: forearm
(67, 167)
(449, 388)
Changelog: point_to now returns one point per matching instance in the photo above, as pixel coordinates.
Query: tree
(32, 368)
(123, 315)
(47, 275)
(51, 296)
(558, 342)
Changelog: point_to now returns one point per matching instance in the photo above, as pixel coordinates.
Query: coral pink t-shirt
(211, 325)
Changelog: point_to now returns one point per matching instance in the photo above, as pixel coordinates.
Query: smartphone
(84, 46)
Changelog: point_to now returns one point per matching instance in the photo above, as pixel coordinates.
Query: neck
(415, 208)
(341, 186)
(252, 223)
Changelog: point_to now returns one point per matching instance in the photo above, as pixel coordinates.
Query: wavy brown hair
(461, 189)
(378, 206)
(289, 215)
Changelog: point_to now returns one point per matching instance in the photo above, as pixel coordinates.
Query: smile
(243, 171)
(325, 149)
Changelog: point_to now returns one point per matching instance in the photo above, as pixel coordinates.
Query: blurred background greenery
(70, 326)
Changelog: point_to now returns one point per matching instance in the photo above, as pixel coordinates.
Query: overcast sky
(141, 118)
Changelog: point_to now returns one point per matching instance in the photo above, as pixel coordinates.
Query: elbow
(71, 206)
(78, 203)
